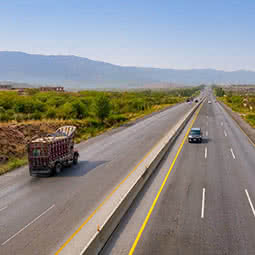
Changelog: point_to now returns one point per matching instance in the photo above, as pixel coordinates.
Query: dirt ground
(14, 137)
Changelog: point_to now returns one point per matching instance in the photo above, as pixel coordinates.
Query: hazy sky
(180, 34)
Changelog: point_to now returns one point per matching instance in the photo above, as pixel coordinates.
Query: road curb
(104, 231)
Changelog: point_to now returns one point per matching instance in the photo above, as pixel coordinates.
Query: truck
(48, 154)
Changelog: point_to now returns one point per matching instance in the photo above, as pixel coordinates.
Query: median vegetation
(92, 112)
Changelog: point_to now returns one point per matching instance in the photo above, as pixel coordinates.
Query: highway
(206, 204)
(38, 215)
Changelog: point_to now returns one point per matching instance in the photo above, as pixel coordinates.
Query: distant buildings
(58, 89)
(5, 87)
(245, 89)
(22, 91)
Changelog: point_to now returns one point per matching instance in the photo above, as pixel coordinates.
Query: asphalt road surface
(207, 203)
(37, 215)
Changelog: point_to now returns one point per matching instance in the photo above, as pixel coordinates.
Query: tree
(80, 109)
(66, 111)
(51, 113)
(32, 91)
(103, 107)
(219, 92)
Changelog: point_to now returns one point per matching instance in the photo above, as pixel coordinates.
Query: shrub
(36, 115)
(219, 92)
(65, 111)
(51, 113)
(103, 107)
(4, 117)
(116, 119)
(80, 110)
(2, 110)
(251, 119)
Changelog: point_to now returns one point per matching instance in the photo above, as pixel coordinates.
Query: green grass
(250, 118)
(80, 105)
(12, 163)
(236, 103)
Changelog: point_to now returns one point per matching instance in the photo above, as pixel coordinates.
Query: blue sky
(181, 34)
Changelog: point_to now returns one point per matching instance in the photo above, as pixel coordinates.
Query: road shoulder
(246, 128)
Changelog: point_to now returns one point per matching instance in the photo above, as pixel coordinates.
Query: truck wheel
(75, 159)
(58, 168)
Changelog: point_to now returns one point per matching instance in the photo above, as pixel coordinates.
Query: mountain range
(79, 72)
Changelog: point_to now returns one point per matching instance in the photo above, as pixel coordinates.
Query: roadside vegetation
(239, 101)
(92, 112)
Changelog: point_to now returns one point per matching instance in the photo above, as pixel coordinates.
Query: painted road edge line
(233, 155)
(225, 133)
(205, 152)
(249, 199)
(131, 252)
(203, 204)
(34, 220)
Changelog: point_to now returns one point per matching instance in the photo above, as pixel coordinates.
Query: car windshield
(195, 132)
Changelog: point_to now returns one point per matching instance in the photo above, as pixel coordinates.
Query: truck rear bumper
(43, 171)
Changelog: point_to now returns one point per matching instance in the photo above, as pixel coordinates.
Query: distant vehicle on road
(195, 135)
(209, 102)
(47, 155)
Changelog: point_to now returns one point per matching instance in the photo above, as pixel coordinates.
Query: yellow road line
(131, 252)
(104, 201)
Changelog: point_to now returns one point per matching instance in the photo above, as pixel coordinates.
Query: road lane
(78, 191)
(30, 223)
(176, 225)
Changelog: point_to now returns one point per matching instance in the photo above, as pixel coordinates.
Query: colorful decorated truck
(47, 155)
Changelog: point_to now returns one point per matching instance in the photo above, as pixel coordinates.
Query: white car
(209, 102)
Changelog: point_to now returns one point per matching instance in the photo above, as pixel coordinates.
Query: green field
(92, 112)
